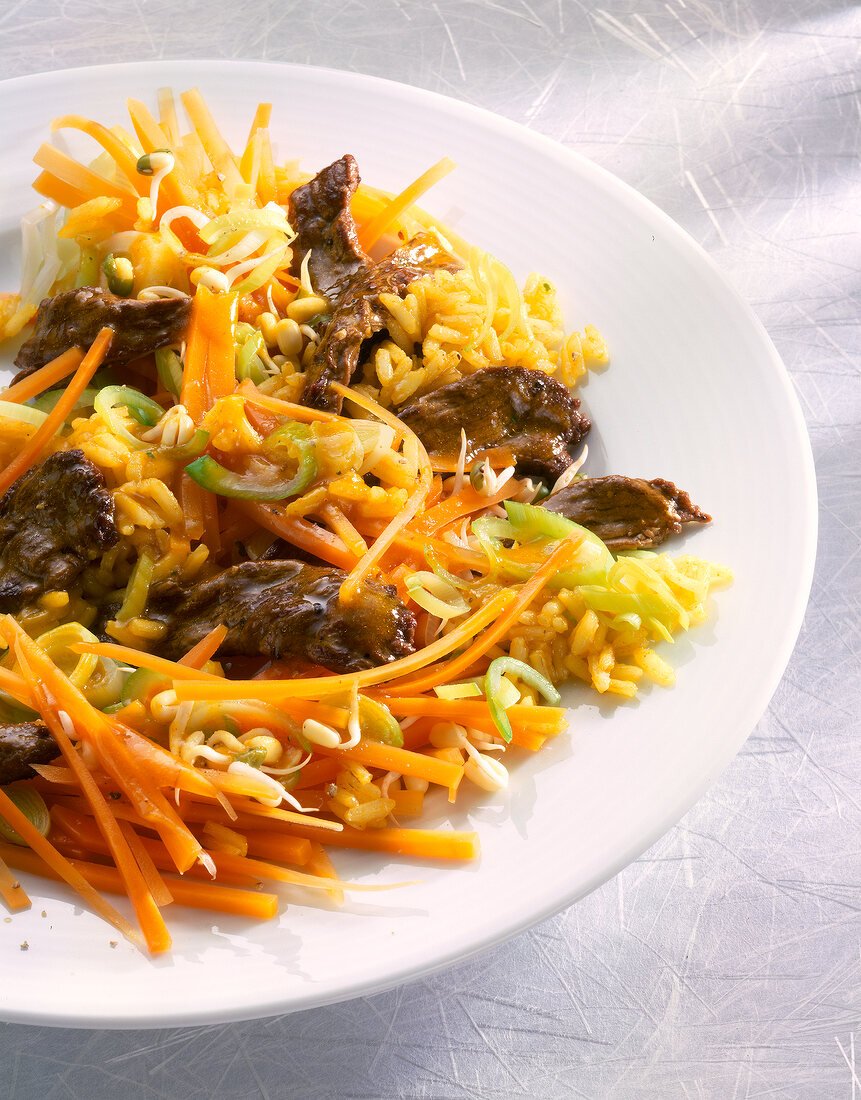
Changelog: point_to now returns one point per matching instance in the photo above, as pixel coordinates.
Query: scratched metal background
(725, 962)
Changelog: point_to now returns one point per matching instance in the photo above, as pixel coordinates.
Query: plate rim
(193, 69)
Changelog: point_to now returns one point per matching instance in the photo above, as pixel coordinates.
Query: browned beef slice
(53, 520)
(75, 318)
(508, 413)
(286, 609)
(359, 315)
(21, 745)
(319, 213)
(627, 513)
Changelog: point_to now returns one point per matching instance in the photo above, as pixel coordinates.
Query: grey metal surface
(726, 962)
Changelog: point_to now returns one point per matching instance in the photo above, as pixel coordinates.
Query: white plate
(695, 393)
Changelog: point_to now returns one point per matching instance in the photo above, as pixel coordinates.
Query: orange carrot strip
(122, 751)
(371, 232)
(410, 803)
(54, 862)
(281, 847)
(87, 181)
(193, 394)
(59, 191)
(149, 918)
(191, 499)
(452, 669)
(44, 377)
(391, 759)
(174, 670)
(199, 654)
(14, 894)
(125, 159)
(16, 686)
(217, 149)
(211, 526)
(193, 895)
(317, 772)
(158, 888)
(167, 116)
(363, 568)
(276, 691)
(342, 527)
(299, 532)
(285, 408)
(425, 843)
(320, 864)
(175, 188)
(36, 444)
(259, 143)
(457, 505)
(251, 814)
(546, 719)
(220, 354)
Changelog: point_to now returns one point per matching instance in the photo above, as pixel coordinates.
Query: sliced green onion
(32, 806)
(435, 595)
(493, 688)
(142, 685)
(110, 398)
(271, 216)
(46, 401)
(211, 475)
(249, 344)
(377, 723)
(56, 642)
(26, 414)
(169, 367)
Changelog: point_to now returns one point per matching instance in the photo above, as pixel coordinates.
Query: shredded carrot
(364, 567)
(150, 920)
(193, 895)
(89, 183)
(300, 532)
(45, 377)
(220, 355)
(193, 395)
(171, 669)
(124, 158)
(275, 691)
(424, 843)
(390, 758)
(54, 862)
(176, 189)
(371, 232)
(285, 408)
(320, 864)
(491, 636)
(217, 149)
(199, 654)
(37, 443)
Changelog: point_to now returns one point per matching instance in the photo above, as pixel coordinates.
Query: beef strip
(319, 212)
(627, 513)
(509, 414)
(21, 745)
(75, 317)
(359, 315)
(285, 609)
(53, 521)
